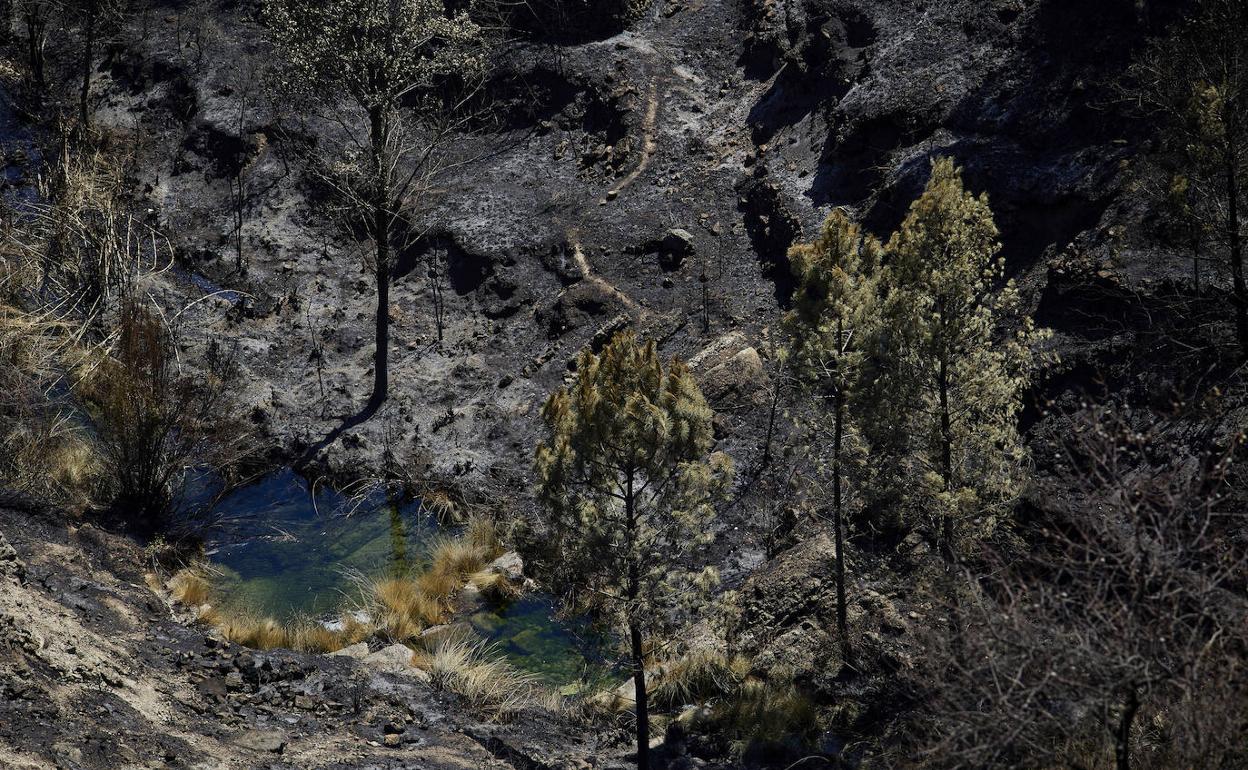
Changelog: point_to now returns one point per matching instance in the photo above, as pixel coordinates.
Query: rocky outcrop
(395, 659)
(731, 372)
(11, 567)
(796, 585)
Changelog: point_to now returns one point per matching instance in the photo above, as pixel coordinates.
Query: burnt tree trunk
(838, 519)
(381, 236)
(36, 40)
(634, 629)
(1122, 736)
(1237, 250)
(88, 53)
(946, 460)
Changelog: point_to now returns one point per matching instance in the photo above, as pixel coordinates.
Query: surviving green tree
(946, 386)
(627, 480)
(832, 315)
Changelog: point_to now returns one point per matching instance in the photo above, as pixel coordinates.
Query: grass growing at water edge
(474, 670)
(399, 607)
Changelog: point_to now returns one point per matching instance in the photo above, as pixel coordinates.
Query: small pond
(288, 553)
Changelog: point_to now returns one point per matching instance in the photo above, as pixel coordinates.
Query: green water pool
(288, 553)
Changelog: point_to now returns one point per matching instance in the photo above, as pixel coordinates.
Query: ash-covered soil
(699, 142)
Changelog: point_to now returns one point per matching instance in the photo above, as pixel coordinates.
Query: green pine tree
(627, 481)
(833, 312)
(947, 389)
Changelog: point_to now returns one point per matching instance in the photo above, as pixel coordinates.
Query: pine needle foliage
(947, 388)
(374, 51)
(837, 276)
(834, 313)
(1192, 84)
(628, 482)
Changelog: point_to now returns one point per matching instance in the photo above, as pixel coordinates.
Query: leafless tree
(384, 87)
(1194, 82)
(1121, 640)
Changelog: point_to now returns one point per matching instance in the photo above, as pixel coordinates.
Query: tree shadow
(365, 414)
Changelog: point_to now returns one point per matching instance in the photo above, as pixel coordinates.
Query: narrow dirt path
(578, 256)
(649, 126)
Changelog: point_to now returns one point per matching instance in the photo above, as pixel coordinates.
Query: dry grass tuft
(258, 633)
(473, 670)
(438, 585)
(353, 629)
(440, 503)
(402, 607)
(191, 587)
(458, 556)
(494, 585)
(310, 636)
(43, 448)
(699, 674)
(761, 715)
(483, 533)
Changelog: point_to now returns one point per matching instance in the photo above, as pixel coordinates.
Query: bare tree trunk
(1122, 738)
(238, 219)
(838, 519)
(1237, 255)
(639, 690)
(1196, 266)
(771, 419)
(435, 286)
(381, 237)
(88, 53)
(381, 373)
(706, 300)
(634, 631)
(6, 20)
(36, 40)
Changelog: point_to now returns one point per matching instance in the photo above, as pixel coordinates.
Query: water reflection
(290, 551)
(400, 567)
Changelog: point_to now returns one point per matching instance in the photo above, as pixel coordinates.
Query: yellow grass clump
(701, 673)
(398, 607)
(493, 584)
(314, 637)
(258, 633)
(191, 587)
(438, 585)
(460, 556)
(402, 607)
(474, 671)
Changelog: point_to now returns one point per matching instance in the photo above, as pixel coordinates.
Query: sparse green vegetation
(153, 422)
(761, 718)
(831, 325)
(946, 385)
(628, 482)
(1193, 83)
(701, 674)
